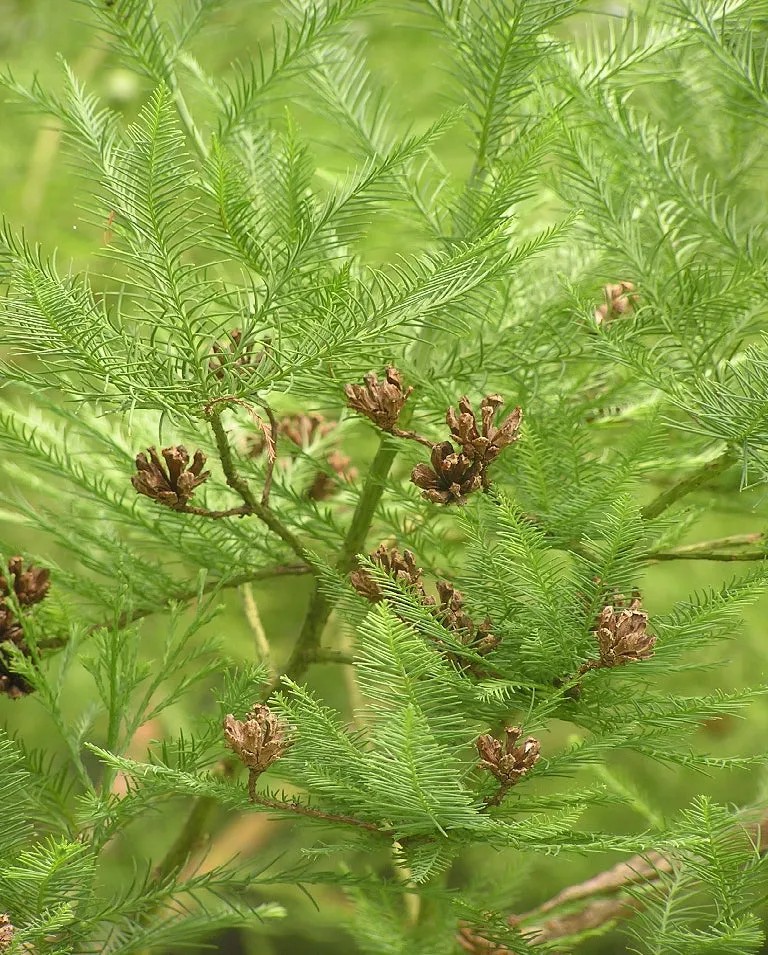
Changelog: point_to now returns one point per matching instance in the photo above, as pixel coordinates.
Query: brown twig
(300, 810)
(639, 871)
(271, 444)
(241, 511)
(240, 485)
(412, 436)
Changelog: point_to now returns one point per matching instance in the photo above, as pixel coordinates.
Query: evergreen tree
(466, 455)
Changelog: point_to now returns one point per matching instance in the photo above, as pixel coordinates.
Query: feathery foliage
(251, 386)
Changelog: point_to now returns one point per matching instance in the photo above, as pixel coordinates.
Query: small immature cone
(400, 566)
(618, 301)
(6, 932)
(381, 401)
(233, 356)
(172, 483)
(452, 477)
(484, 441)
(453, 617)
(258, 741)
(622, 637)
(507, 760)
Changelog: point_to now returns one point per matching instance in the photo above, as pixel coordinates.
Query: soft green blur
(42, 190)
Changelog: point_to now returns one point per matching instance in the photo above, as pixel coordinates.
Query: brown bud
(617, 302)
(172, 483)
(483, 441)
(234, 356)
(402, 567)
(622, 635)
(381, 401)
(451, 478)
(259, 740)
(507, 760)
(6, 932)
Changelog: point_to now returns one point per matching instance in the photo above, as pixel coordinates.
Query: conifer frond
(311, 26)
(137, 34)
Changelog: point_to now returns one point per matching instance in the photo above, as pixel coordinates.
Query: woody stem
(413, 436)
(320, 607)
(310, 811)
(694, 480)
(241, 487)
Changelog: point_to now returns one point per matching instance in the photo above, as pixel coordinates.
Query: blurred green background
(42, 191)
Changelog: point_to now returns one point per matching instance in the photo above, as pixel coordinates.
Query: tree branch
(708, 555)
(711, 549)
(300, 810)
(189, 839)
(694, 480)
(190, 593)
(641, 870)
(320, 607)
(241, 487)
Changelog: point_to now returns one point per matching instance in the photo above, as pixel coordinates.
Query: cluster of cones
(29, 586)
(448, 609)
(453, 472)
(505, 760)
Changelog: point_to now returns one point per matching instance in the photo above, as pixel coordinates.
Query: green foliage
(579, 226)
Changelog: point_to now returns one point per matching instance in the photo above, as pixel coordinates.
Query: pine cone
(259, 741)
(6, 932)
(622, 635)
(304, 429)
(451, 614)
(507, 761)
(174, 484)
(451, 478)
(234, 357)
(381, 401)
(402, 567)
(30, 586)
(483, 443)
(617, 302)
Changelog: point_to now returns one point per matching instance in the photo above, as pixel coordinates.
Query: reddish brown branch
(412, 436)
(313, 813)
(641, 870)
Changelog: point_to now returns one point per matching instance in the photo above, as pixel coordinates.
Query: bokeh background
(42, 190)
